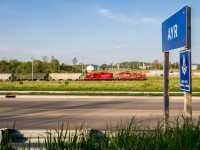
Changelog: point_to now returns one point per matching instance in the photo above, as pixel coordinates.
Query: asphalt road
(45, 112)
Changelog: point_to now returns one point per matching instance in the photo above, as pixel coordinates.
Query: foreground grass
(179, 135)
(152, 84)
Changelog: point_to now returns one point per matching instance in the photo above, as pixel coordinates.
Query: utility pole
(32, 67)
(82, 68)
(138, 64)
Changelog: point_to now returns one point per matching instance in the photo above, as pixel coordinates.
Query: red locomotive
(99, 76)
(131, 76)
(109, 76)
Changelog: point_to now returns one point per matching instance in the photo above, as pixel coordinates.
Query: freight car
(65, 76)
(5, 76)
(28, 76)
(99, 76)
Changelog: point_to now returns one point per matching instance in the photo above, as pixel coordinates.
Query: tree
(74, 61)
(175, 65)
(103, 66)
(13, 64)
(155, 64)
(24, 67)
(38, 66)
(54, 65)
(45, 59)
(4, 66)
(45, 64)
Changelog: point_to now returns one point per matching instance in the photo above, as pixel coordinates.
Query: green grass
(6, 142)
(178, 135)
(152, 84)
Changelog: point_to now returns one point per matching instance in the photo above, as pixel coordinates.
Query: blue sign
(185, 70)
(176, 30)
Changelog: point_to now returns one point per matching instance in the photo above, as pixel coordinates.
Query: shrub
(20, 82)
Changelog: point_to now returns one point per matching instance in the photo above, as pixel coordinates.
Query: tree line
(52, 65)
(39, 66)
(155, 64)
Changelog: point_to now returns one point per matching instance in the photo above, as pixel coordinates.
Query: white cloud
(117, 47)
(126, 19)
(91, 52)
(114, 16)
(150, 20)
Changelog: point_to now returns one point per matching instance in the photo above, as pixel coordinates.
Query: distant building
(95, 67)
(90, 68)
(194, 66)
(144, 66)
(155, 73)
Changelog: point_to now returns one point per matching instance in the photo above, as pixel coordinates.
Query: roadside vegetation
(52, 65)
(177, 135)
(153, 84)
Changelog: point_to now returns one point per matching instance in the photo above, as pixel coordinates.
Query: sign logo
(185, 70)
(184, 67)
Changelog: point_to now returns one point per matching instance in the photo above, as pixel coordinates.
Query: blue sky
(94, 31)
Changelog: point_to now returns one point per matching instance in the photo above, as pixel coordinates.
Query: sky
(93, 31)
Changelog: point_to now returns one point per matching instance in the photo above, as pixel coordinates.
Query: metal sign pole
(188, 95)
(166, 86)
(188, 106)
(188, 98)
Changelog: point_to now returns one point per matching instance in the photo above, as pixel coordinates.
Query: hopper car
(28, 76)
(5, 76)
(23, 76)
(64, 76)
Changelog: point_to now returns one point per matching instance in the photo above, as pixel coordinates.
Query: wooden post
(166, 86)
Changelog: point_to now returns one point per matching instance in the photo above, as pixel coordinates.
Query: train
(110, 76)
(72, 76)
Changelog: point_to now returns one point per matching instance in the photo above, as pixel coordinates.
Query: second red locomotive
(131, 76)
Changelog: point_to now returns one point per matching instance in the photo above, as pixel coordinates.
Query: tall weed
(178, 135)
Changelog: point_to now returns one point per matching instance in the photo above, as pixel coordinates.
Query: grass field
(154, 84)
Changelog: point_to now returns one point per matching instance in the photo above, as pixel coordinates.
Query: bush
(21, 83)
(66, 82)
